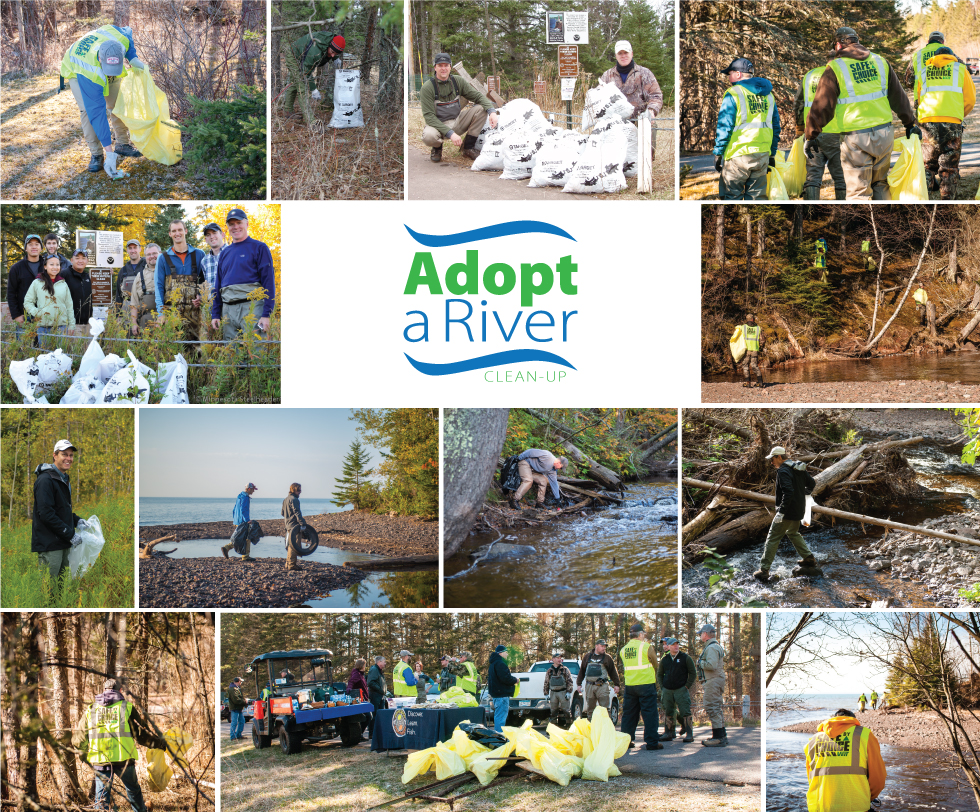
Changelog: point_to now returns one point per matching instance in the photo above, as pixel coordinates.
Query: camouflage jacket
(641, 89)
(563, 672)
(459, 669)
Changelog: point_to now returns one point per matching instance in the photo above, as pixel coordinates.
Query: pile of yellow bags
(458, 697)
(907, 179)
(144, 109)
(157, 771)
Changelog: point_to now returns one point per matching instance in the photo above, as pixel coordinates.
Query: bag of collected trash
(775, 188)
(600, 166)
(793, 168)
(51, 366)
(445, 761)
(157, 771)
(510, 480)
(486, 765)
(83, 391)
(109, 366)
(554, 162)
(347, 110)
(246, 530)
(521, 114)
(144, 109)
(491, 157)
(606, 743)
(737, 345)
(519, 153)
(458, 697)
(83, 555)
(808, 511)
(466, 748)
(907, 178)
(25, 375)
(604, 101)
(559, 767)
(128, 385)
(171, 378)
(606, 131)
(178, 745)
(89, 366)
(485, 133)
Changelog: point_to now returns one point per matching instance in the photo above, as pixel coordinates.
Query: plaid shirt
(211, 267)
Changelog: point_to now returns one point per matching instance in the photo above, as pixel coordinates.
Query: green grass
(109, 582)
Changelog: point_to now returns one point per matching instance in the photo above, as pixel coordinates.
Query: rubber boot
(514, 504)
(689, 729)
(469, 149)
(760, 383)
(247, 558)
(747, 384)
(811, 192)
(224, 552)
(720, 740)
(714, 735)
(810, 561)
(435, 154)
(539, 506)
(761, 575)
(840, 193)
(668, 735)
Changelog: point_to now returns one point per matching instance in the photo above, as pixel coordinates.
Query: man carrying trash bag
(53, 523)
(240, 516)
(111, 728)
(303, 57)
(93, 68)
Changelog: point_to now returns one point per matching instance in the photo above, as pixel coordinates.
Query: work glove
(316, 95)
(302, 527)
(76, 540)
(772, 161)
(913, 130)
(110, 164)
(810, 149)
(138, 64)
(719, 163)
(82, 524)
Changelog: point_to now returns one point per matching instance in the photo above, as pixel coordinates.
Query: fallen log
(797, 349)
(608, 479)
(837, 514)
(598, 496)
(395, 563)
(705, 518)
(665, 441)
(147, 551)
(965, 332)
(879, 446)
(648, 444)
(700, 416)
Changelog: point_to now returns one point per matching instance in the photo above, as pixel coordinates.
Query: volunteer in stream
(754, 342)
(129, 271)
(558, 693)
(179, 282)
(843, 765)
(143, 299)
(640, 695)
(597, 670)
(93, 67)
(21, 277)
(865, 85)
(80, 285)
(244, 266)
(445, 119)
(295, 524)
(239, 516)
(111, 729)
(747, 134)
(53, 525)
(307, 54)
(538, 468)
(711, 672)
(636, 83)
(675, 676)
(793, 483)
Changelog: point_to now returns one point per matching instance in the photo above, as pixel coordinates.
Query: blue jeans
(126, 771)
(501, 706)
(237, 723)
(45, 331)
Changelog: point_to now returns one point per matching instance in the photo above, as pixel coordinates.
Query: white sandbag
(128, 385)
(84, 553)
(347, 110)
(83, 391)
(109, 366)
(491, 157)
(52, 366)
(554, 162)
(600, 167)
(603, 102)
(521, 114)
(173, 380)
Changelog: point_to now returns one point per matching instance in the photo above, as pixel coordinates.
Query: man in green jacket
(445, 119)
(675, 676)
(303, 58)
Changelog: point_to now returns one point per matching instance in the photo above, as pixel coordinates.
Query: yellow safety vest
(923, 55)
(862, 698)
(751, 336)
(839, 772)
(636, 664)
(468, 683)
(752, 132)
(82, 58)
(874, 697)
(940, 91)
(863, 92)
(109, 738)
(400, 686)
(810, 83)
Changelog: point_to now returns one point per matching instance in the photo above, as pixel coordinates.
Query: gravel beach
(843, 392)
(922, 730)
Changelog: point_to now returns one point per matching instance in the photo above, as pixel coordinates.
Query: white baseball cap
(623, 45)
(63, 445)
(777, 451)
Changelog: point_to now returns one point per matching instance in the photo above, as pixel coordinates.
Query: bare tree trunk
(10, 713)
(760, 238)
(737, 657)
(748, 256)
(720, 235)
(65, 771)
(797, 223)
(797, 349)
(21, 32)
(111, 645)
(31, 679)
(79, 659)
(369, 46)
(120, 13)
(952, 267)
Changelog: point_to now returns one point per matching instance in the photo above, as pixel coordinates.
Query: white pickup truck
(532, 702)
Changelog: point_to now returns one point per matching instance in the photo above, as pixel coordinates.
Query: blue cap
(236, 214)
(32, 237)
(500, 649)
(250, 485)
(111, 58)
(741, 64)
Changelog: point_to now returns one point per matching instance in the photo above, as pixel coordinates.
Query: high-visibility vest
(940, 91)
(923, 55)
(468, 683)
(400, 687)
(863, 92)
(865, 246)
(636, 663)
(82, 58)
(862, 698)
(874, 697)
(839, 772)
(810, 83)
(109, 738)
(752, 132)
(751, 335)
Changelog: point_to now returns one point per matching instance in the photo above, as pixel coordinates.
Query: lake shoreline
(899, 391)
(916, 730)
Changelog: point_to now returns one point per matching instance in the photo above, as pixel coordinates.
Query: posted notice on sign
(567, 89)
(567, 27)
(109, 249)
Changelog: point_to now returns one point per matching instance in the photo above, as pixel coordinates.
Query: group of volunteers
(238, 278)
(292, 515)
(844, 111)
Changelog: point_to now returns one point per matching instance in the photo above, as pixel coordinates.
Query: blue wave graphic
(488, 233)
(495, 359)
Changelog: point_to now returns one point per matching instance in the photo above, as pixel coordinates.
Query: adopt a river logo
(399, 722)
(490, 295)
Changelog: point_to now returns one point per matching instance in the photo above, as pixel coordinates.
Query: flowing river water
(963, 367)
(619, 556)
(914, 778)
(847, 578)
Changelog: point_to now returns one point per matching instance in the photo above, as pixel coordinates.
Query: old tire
(289, 743)
(350, 731)
(260, 742)
(305, 541)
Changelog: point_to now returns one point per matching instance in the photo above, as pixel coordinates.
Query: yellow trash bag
(144, 109)
(568, 742)
(737, 345)
(559, 767)
(486, 765)
(466, 748)
(157, 771)
(178, 743)
(445, 761)
(907, 179)
(606, 742)
(458, 697)
(792, 168)
(775, 188)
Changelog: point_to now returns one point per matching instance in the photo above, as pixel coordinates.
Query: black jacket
(376, 681)
(18, 281)
(500, 682)
(80, 286)
(680, 673)
(53, 522)
(793, 483)
(125, 272)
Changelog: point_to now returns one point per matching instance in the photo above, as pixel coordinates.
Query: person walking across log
(793, 485)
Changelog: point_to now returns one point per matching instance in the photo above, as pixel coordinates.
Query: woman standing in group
(48, 300)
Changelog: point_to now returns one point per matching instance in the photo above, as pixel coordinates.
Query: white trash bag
(520, 152)
(810, 502)
(96, 327)
(172, 378)
(521, 114)
(600, 166)
(89, 367)
(128, 385)
(84, 390)
(491, 157)
(485, 133)
(555, 161)
(347, 110)
(109, 366)
(604, 102)
(85, 546)
(51, 366)
(26, 375)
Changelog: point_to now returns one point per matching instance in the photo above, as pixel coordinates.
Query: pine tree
(354, 478)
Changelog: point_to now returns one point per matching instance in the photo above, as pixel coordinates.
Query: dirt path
(45, 156)
(842, 392)
(350, 530)
(917, 730)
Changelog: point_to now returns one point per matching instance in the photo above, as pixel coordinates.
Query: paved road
(700, 164)
(740, 762)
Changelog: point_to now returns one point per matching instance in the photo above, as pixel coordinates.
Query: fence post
(644, 181)
(746, 705)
